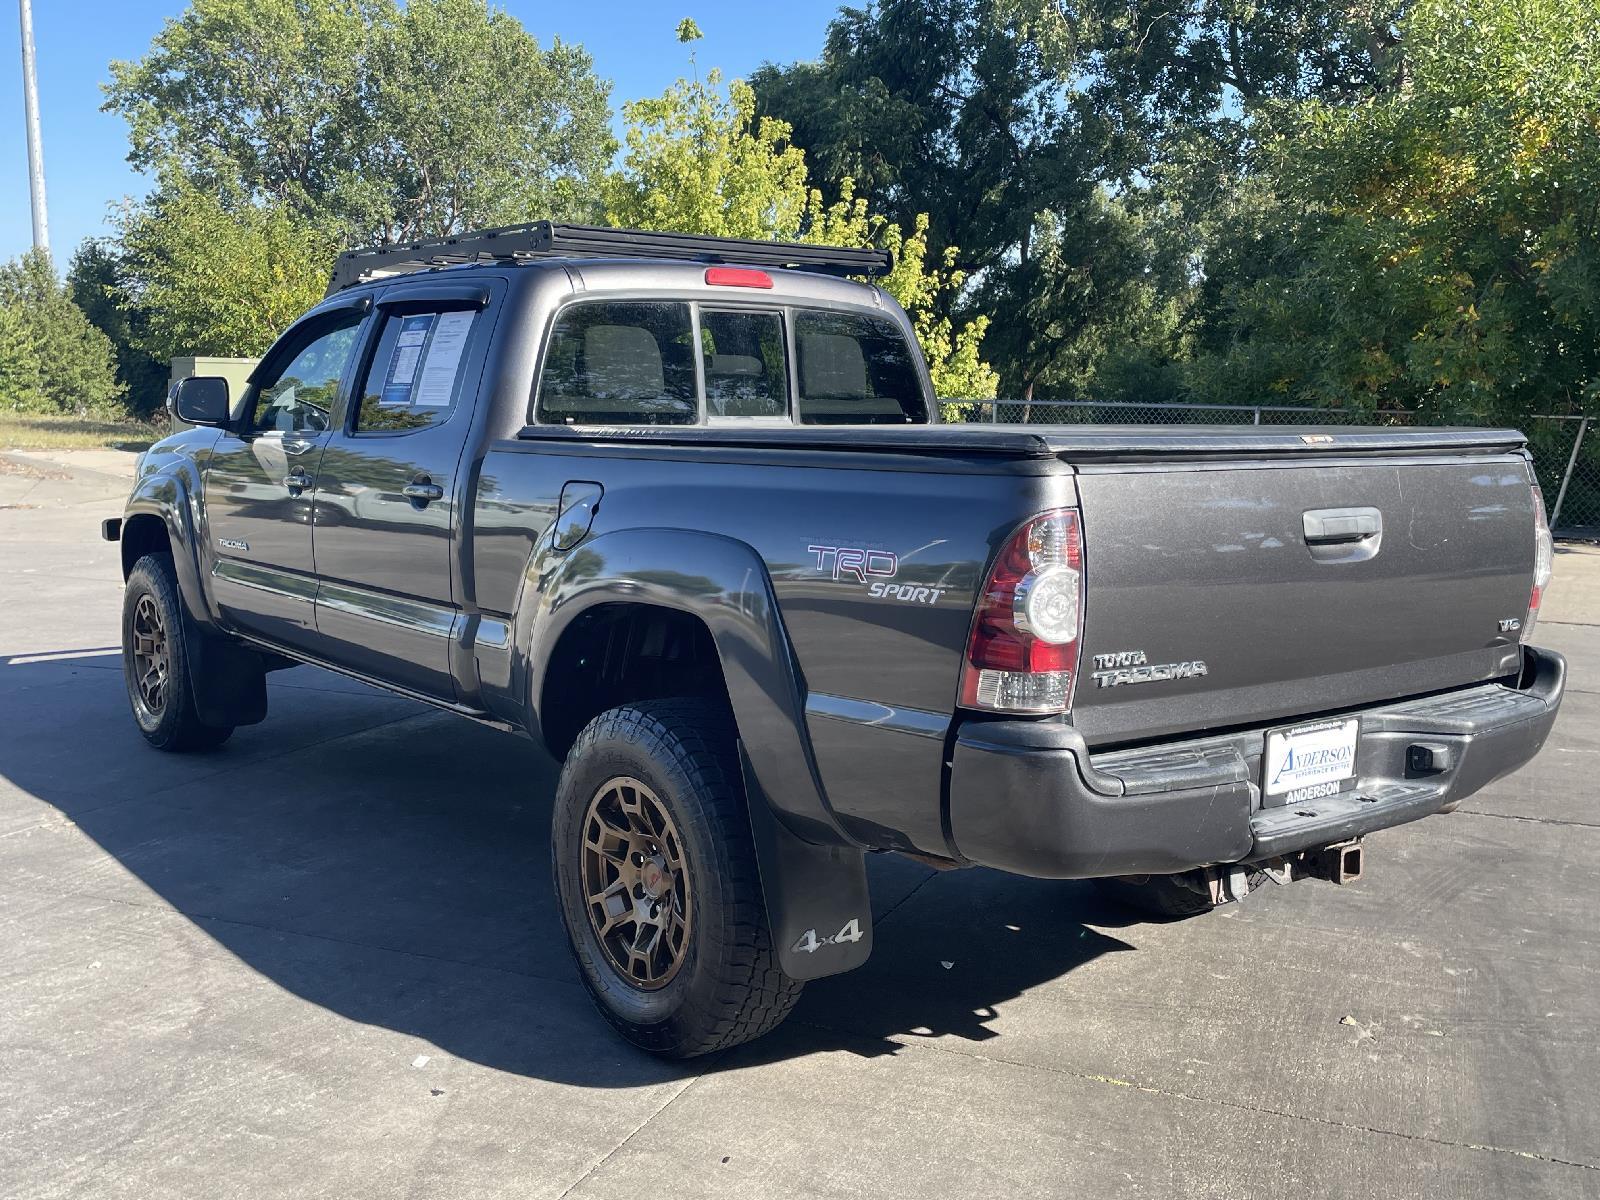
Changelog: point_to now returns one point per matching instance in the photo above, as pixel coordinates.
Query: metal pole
(1566, 478)
(30, 98)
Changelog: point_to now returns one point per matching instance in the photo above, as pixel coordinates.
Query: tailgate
(1224, 594)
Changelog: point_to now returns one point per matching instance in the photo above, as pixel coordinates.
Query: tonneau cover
(1114, 443)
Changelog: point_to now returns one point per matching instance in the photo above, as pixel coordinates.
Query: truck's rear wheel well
(619, 654)
(142, 534)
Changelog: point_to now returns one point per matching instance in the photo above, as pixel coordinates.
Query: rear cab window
(611, 363)
(855, 370)
(634, 362)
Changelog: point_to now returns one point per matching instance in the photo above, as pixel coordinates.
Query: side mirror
(203, 400)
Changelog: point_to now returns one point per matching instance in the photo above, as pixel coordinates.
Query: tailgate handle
(1326, 526)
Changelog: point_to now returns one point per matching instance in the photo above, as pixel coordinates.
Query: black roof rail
(552, 239)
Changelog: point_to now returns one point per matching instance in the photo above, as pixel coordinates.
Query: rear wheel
(1168, 897)
(155, 661)
(657, 879)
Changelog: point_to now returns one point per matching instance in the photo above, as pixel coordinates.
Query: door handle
(296, 481)
(1327, 525)
(1342, 535)
(422, 493)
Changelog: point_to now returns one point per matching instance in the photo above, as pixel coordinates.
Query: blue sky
(85, 150)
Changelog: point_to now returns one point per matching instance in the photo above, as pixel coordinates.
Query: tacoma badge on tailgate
(1131, 666)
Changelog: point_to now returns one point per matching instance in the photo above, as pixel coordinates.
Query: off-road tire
(728, 988)
(1162, 896)
(172, 724)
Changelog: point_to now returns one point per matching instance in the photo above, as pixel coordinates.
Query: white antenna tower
(30, 94)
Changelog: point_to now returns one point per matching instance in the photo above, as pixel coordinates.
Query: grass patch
(26, 431)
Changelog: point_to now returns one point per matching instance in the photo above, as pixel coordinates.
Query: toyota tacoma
(683, 509)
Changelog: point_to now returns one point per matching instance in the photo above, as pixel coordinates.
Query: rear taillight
(1544, 552)
(1023, 652)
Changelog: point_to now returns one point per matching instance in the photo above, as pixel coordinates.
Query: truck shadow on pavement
(390, 865)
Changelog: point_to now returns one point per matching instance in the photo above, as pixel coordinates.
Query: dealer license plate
(1306, 762)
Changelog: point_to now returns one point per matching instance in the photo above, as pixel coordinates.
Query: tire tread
(750, 995)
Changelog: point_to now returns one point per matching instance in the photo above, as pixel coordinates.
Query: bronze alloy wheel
(635, 886)
(151, 659)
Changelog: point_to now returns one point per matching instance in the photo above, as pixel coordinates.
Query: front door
(261, 480)
(388, 490)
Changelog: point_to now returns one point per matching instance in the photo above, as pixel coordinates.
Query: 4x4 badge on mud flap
(810, 943)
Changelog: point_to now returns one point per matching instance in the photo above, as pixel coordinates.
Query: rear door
(262, 475)
(1227, 594)
(389, 488)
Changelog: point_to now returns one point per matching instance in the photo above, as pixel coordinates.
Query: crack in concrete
(1474, 812)
(622, 1145)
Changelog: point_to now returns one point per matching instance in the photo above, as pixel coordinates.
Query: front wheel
(155, 660)
(656, 874)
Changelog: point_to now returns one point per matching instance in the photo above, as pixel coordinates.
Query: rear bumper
(1028, 797)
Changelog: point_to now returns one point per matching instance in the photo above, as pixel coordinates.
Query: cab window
(621, 363)
(299, 397)
(413, 378)
(746, 369)
(855, 369)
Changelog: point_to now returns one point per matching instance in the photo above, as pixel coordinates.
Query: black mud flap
(229, 680)
(818, 908)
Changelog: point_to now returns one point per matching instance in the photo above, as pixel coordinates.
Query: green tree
(98, 284)
(391, 122)
(697, 159)
(218, 280)
(19, 363)
(947, 107)
(1437, 247)
(1090, 317)
(72, 368)
(466, 122)
(958, 108)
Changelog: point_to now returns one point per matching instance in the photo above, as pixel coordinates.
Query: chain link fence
(1566, 450)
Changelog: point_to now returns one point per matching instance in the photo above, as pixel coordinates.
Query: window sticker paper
(443, 359)
(397, 389)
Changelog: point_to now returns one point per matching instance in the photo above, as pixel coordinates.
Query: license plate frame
(1282, 782)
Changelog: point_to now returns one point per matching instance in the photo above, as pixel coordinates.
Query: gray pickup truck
(683, 509)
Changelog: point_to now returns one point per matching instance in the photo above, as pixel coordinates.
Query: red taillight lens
(1544, 553)
(1022, 656)
(737, 277)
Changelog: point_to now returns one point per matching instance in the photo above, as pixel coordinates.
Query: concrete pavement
(324, 960)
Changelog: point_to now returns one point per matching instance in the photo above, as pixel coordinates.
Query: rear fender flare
(722, 582)
(813, 875)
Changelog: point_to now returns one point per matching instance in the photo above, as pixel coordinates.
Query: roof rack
(551, 239)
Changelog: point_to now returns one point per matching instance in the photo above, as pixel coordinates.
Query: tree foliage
(52, 360)
(97, 281)
(947, 107)
(699, 160)
(1335, 202)
(1332, 202)
(1448, 260)
(282, 131)
(215, 279)
(391, 122)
